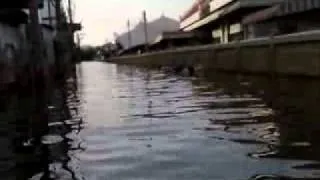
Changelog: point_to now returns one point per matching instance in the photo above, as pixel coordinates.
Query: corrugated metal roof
(295, 6)
(287, 7)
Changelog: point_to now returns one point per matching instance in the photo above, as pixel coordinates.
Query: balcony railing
(13, 16)
(16, 4)
(217, 4)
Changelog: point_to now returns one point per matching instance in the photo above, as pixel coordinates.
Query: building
(16, 43)
(49, 30)
(57, 37)
(154, 28)
(221, 19)
(13, 39)
(289, 16)
(198, 10)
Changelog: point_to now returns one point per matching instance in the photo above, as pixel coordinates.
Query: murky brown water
(121, 122)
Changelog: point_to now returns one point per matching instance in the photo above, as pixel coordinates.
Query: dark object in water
(178, 69)
(191, 70)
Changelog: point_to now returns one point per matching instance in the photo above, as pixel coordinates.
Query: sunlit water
(121, 122)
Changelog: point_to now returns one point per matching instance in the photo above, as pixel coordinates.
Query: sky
(102, 18)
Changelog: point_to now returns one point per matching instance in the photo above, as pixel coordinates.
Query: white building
(156, 27)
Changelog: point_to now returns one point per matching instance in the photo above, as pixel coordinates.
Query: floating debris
(51, 139)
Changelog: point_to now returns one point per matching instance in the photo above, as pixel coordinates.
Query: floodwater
(119, 122)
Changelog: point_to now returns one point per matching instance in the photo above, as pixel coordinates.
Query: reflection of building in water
(65, 122)
(296, 102)
(291, 131)
(38, 135)
(7, 135)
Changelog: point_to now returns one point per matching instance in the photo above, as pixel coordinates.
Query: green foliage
(88, 53)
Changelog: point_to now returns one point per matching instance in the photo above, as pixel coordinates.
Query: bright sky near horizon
(101, 18)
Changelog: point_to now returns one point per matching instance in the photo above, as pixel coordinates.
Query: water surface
(120, 122)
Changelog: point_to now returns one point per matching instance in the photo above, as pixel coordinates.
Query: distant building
(221, 19)
(289, 16)
(155, 28)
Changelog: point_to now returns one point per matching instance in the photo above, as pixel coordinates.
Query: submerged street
(122, 122)
(155, 90)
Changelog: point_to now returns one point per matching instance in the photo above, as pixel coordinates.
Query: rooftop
(287, 7)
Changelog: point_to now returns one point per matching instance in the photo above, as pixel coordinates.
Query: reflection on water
(119, 122)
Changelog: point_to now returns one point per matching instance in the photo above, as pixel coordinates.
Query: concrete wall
(12, 42)
(9, 35)
(296, 54)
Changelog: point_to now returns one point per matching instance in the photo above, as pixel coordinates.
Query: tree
(88, 52)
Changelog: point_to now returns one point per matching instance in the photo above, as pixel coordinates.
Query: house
(289, 16)
(222, 19)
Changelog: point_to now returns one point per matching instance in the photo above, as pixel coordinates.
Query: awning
(174, 35)
(262, 15)
(13, 16)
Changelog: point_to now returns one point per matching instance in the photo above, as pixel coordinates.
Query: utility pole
(70, 20)
(71, 28)
(58, 14)
(145, 23)
(70, 12)
(39, 81)
(78, 40)
(129, 34)
(78, 46)
(60, 41)
(35, 35)
(49, 12)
